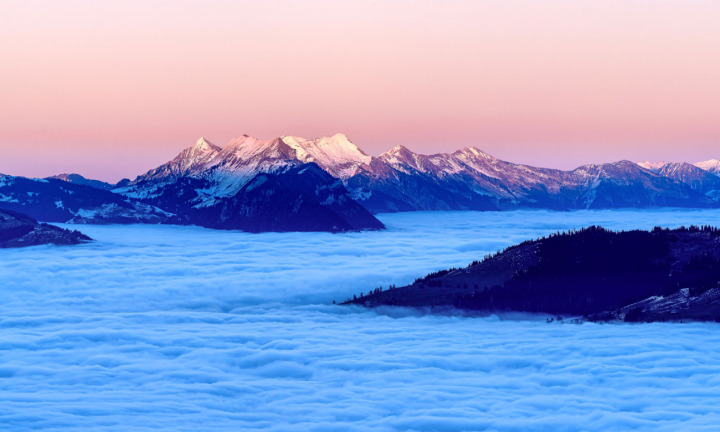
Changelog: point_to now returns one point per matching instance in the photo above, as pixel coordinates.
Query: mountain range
(329, 184)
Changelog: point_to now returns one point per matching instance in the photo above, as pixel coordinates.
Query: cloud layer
(182, 328)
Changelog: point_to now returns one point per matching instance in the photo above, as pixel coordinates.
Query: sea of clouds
(185, 328)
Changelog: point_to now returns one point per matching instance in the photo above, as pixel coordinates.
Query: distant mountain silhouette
(78, 179)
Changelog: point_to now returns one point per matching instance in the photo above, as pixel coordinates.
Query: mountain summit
(712, 165)
(282, 184)
(246, 156)
(190, 161)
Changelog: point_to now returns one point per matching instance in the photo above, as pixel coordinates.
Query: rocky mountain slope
(17, 230)
(703, 181)
(635, 275)
(283, 184)
(298, 198)
(53, 200)
(470, 179)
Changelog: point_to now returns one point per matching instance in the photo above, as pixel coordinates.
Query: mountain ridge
(465, 179)
(658, 275)
(204, 183)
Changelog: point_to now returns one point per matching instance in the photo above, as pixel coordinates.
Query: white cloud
(182, 328)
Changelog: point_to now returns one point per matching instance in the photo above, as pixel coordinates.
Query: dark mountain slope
(17, 230)
(78, 179)
(59, 201)
(292, 198)
(300, 198)
(592, 272)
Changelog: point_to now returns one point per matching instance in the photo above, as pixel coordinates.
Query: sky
(112, 89)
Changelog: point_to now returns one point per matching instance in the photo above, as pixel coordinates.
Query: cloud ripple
(182, 328)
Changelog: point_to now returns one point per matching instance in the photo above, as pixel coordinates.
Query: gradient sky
(111, 89)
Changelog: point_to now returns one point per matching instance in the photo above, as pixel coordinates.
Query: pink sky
(111, 89)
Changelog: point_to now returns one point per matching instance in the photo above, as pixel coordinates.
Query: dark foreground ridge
(657, 275)
(17, 230)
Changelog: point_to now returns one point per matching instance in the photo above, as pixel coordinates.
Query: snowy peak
(712, 165)
(189, 162)
(701, 175)
(193, 157)
(242, 158)
(695, 177)
(678, 166)
(620, 170)
(398, 153)
(404, 159)
(474, 152)
(201, 150)
(469, 161)
(203, 145)
(652, 165)
(335, 154)
(247, 148)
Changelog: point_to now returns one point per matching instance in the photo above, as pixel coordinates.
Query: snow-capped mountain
(231, 167)
(250, 184)
(652, 165)
(470, 179)
(337, 155)
(698, 179)
(190, 161)
(282, 184)
(626, 184)
(401, 180)
(488, 173)
(712, 165)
